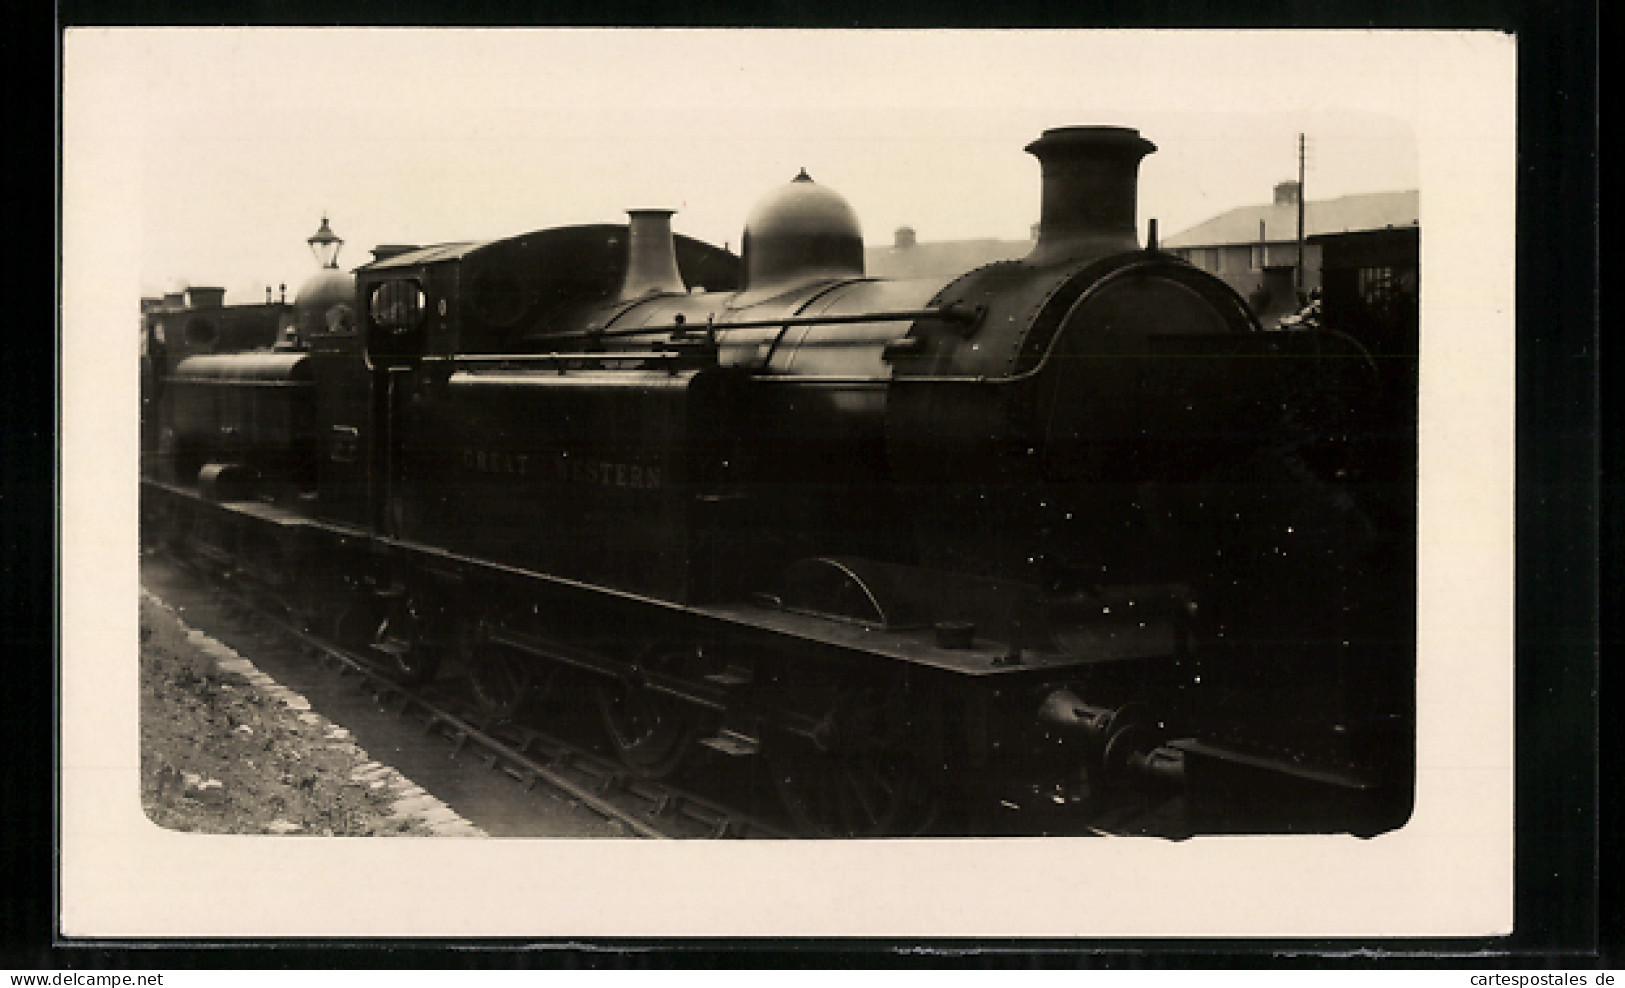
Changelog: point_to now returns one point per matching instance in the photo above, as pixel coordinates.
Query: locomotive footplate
(983, 659)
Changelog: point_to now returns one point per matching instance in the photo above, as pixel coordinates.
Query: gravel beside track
(227, 749)
(230, 746)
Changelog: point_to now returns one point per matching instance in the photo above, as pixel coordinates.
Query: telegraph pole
(1299, 270)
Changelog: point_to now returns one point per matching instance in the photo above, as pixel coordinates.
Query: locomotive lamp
(325, 244)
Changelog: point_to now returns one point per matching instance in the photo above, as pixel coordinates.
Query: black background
(1567, 574)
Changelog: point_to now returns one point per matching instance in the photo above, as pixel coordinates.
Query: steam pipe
(945, 313)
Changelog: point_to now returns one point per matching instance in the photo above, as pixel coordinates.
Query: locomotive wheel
(651, 732)
(855, 794)
(504, 681)
(404, 638)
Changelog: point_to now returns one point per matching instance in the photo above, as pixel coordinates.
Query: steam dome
(324, 303)
(801, 232)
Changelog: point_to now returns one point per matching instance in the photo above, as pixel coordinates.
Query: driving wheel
(503, 680)
(855, 794)
(651, 732)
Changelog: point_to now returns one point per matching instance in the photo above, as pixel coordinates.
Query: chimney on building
(904, 237)
(1287, 193)
(199, 297)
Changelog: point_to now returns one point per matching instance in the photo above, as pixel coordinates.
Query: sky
(239, 140)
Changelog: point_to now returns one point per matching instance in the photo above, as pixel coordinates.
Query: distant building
(1371, 288)
(1255, 248)
(907, 257)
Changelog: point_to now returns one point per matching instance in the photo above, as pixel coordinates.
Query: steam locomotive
(1069, 529)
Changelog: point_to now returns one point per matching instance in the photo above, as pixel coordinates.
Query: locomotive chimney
(651, 255)
(1091, 178)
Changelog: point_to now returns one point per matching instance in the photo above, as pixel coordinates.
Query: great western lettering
(606, 473)
(566, 468)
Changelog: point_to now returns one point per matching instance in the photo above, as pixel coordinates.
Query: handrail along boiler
(1071, 525)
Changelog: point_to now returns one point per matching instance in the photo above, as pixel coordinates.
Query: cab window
(397, 306)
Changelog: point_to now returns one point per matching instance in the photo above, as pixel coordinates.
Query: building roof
(1367, 211)
(941, 258)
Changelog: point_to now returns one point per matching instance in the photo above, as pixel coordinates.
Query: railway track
(532, 758)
